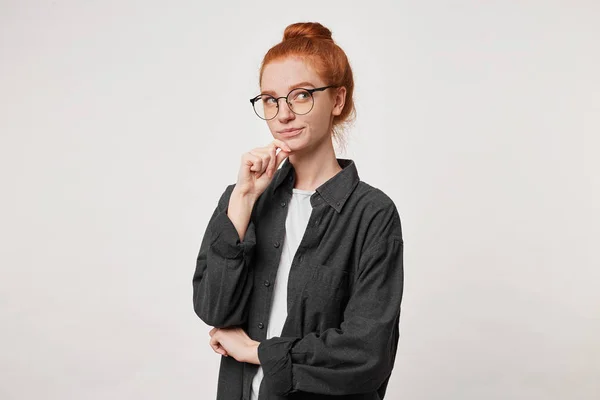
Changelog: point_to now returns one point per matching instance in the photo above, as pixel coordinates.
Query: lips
(290, 133)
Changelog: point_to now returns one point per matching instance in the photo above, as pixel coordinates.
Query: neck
(313, 167)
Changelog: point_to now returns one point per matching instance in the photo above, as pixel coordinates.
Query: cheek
(321, 119)
(271, 126)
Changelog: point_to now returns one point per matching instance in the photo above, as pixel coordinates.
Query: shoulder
(373, 200)
(379, 216)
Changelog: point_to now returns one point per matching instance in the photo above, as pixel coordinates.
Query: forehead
(279, 77)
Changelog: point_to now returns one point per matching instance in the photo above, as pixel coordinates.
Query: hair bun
(308, 30)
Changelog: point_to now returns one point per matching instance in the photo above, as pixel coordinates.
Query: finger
(281, 144)
(222, 351)
(259, 163)
(272, 162)
(264, 162)
(265, 157)
(254, 161)
(213, 344)
(212, 331)
(216, 346)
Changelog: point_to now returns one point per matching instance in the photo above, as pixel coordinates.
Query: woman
(300, 270)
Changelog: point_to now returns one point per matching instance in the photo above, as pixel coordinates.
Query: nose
(285, 113)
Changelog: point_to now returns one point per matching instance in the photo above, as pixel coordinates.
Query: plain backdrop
(123, 121)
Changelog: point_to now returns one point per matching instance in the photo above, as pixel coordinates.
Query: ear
(340, 100)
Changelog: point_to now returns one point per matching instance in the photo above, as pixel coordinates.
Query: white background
(122, 122)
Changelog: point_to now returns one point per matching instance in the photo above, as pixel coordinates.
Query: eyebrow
(299, 84)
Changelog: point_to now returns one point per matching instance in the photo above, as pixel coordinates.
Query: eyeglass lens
(299, 100)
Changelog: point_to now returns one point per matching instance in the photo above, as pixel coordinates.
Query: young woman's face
(312, 129)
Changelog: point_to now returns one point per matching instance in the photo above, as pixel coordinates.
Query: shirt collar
(334, 191)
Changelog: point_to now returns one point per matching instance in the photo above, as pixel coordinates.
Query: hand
(258, 167)
(234, 342)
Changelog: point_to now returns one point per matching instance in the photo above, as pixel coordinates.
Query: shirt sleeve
(222, 280)
(359, 356)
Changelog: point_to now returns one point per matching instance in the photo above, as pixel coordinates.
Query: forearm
(239, 211)
(336, 362)
(222, 280)
(221, 295)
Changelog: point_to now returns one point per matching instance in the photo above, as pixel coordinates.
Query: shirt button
(283, 204)
(267, 283)
(260, 325)
(301, 257)
(276, 244)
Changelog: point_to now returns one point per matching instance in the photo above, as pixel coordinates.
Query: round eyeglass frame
(310, 91)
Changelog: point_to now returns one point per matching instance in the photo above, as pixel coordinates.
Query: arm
(222, 280)
(358, 357)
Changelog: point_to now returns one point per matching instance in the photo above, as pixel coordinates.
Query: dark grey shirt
(344, 290)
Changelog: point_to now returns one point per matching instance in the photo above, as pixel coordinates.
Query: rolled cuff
(276, 362)
(226, 240)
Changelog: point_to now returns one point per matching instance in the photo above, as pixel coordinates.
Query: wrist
(253, 353)
(243, 197)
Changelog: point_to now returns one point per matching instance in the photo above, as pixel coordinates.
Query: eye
(300, 95)
(269, 100)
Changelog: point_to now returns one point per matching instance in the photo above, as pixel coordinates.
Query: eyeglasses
(299, 100)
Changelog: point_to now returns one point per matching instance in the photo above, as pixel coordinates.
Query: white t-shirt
(295, 224)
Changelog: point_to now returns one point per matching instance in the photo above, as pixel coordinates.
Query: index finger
(281, 144)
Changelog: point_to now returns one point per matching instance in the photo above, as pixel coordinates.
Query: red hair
(312, 42)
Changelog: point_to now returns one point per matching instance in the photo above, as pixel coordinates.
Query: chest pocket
(324, 298)
(329, 281)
